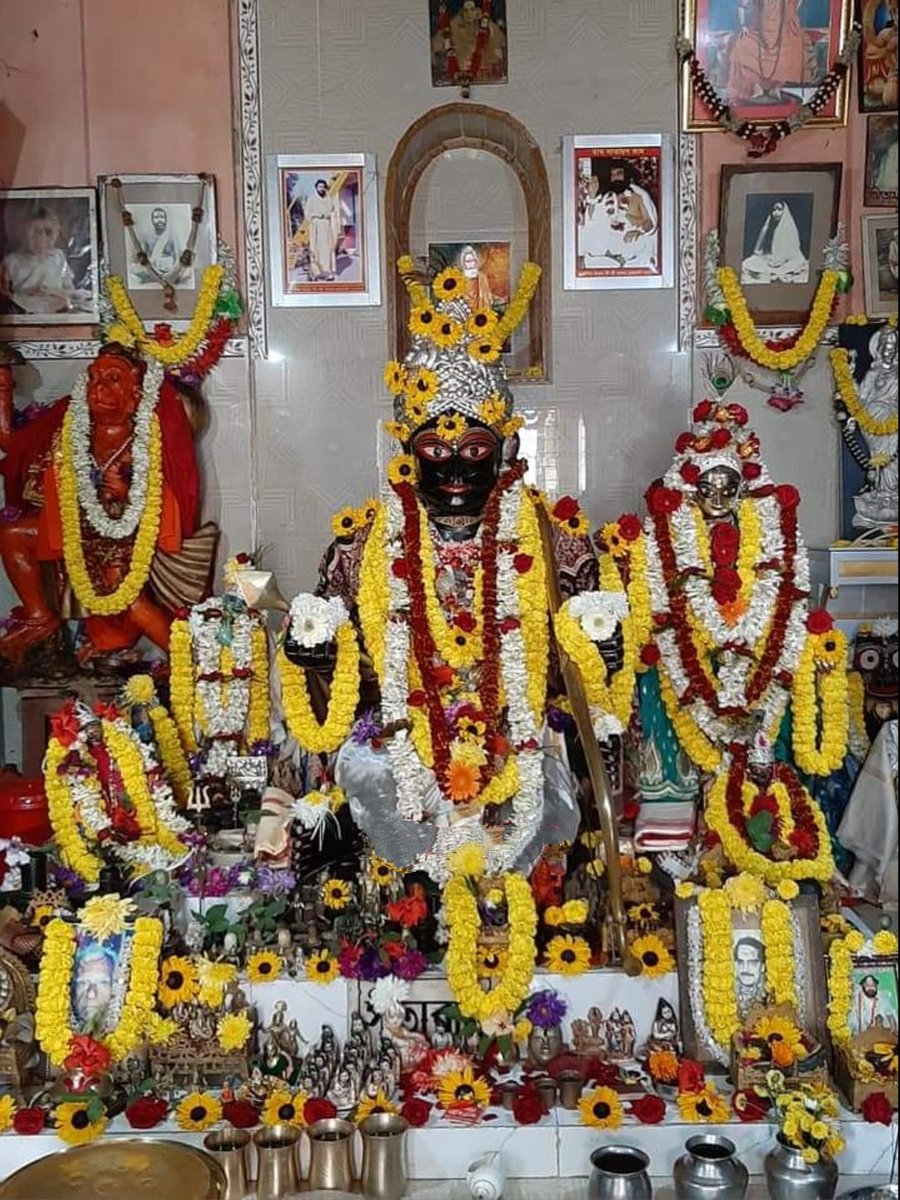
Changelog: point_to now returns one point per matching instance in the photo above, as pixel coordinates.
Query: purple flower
(65, 877)
(410, 965)
(348, 961)
(546, 1009)
(559, 720)
(274, 883)
(371, 966)
(195, 763)
(217, 882)
(263, 749)
(365, 729)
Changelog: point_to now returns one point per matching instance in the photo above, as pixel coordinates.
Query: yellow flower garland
(752, 343)
(531, 586)
(778, 938)
(53, 1008)
(171, 753)
(117, 601)
(127, 756)
(614, 698)
(259, 725)
(301, 720)
(73, 848)
(517, 309)
(846, 386)
(821, 708)
(640, 605)
(464, 925)
(696, 745)
(180, 348)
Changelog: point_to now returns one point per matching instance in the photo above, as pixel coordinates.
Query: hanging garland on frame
(762, 138)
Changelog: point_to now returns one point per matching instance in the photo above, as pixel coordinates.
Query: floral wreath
(841, 953)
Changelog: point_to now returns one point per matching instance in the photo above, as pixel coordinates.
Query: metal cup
(331, 1155)
(571, 1085)
(276, 1157)
(230, 1147)
(546, 1090)
(508, 1093)
(384, 1156)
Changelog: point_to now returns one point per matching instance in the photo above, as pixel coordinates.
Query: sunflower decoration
(283, 1108)
(601, 1109)
(646, 913)
(177, 981)
(492, 411)
(395, 378)
(423, 385)
(233, 1031)
(383, 873)
(422, 321)
(450, 426)
(446, 333)
(345, 523)
(491, 962)
(415, 411)
(576, 525)
(402, 469)
(370, 1105)
(463, 1088)
(79, 1122)
(485, 349)
(481, 321)
(707, 1105)
(653, 955)
(397, 430)
(612, 541)
(830, 649)
(336, 894)
(197, 1112)
(449, 284)
(41, 915)
(264, 966)
(782, 1037)
(567, 955)
(322, 967)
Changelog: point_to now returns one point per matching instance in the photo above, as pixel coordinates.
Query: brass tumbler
(570, 1085)
(277, 1175)
(229, 1147)
(331, 1155)
(384, 1156)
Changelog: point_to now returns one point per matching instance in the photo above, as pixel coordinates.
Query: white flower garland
(221, 720)
(116, 528)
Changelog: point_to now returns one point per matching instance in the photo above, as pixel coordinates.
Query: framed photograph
(873, 997)
(880, 265)
(98, 981)
(468, 42)
(765, 57)
(159, 235)
(323, 230)
(747, 963)
(48, 256)
(881, 162)
(618, 212)
(878, 56)
(774, 223)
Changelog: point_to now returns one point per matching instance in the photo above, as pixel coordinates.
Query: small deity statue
(875, 504)
(587, 1036)
(123, 444)
(256, 1089)
(629, 1034)
(342, 1093)
(664, 1033)
(412, 1047)
(375, 1082)
(614, 1041)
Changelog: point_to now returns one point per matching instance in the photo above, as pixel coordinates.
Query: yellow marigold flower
(369, 1105)
(74, 1125)
(567, 955)
(336, 894)
(468, 859)
(423, 385)
(575, 912)
(495, 896)
(233, 1031)
(177, 981)
(422, 321)
(449, 284)
(212, 979)
(264, 966)
(653, 955)
(345, 523)
(885, 942)
(104, 916)
(480, 322)
(446, 332)
(397, 430)
(787, 889)
(322, 967)
(402, 469)
(745, 892)
(854, 941)
(810, 1155)
(492, 411)
(485, 349)
(282, 1108)
(644, 865)
(395, 378)
(450, 426)
(511, 427)
(140, 689)
(685, 890)
(553, 915)
(7, 1112)
(198, 1111)
(601, 1109)
(523, 1030)
(383, 872)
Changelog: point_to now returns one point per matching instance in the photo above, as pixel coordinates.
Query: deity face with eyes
(875, 656)
(719, 492)
(457, 477)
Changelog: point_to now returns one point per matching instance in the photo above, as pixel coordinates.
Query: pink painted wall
(92, 87)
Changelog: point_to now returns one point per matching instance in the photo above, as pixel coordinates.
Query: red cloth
(27, 445)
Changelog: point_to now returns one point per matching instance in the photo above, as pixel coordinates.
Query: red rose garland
(805, 834)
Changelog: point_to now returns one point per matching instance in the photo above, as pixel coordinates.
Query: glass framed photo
(618, 212)
(48, 256)
(159, 235)
(880, 264)
(468, 42)
(878, 56)
(881, 162)
(323, 230)
(764, 58)
(774, 223)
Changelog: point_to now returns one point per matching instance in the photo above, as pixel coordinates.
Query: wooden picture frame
(880, 263)
(881, 161)
(877, 64)
(777, 255)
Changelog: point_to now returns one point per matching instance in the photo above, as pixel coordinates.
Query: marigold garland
(53, 1009)
(615, 697)
(753, 345)
(122, 597)
(181, 683)
(127, 756)
(696, 745)
(821, 707)
(301, 720)
(719, 1000)
(179, 349)
(778, 938)
(259, 725)
(73, 848)
(461, 960)
(847, 390)
(517, 309)
(171, 753)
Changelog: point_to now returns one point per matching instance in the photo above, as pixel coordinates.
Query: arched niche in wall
(465, 175)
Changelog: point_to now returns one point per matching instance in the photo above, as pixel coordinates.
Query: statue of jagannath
(102, 505)
(741, 683)
(425, 665)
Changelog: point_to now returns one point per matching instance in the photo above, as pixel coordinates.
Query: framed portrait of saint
(880, 264)
(159, 236)
(765, 58)
(878, 56)
(618, 212)
(323, 230)
(774, 224)
(468, 42)
(881, 162)
(48, 256)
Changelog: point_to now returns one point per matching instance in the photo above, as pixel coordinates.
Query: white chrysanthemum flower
(388, 993)
(314, 620)
(599, 613)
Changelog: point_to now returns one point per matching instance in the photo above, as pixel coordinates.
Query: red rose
(650, 655)
(726, 585)
(877, 1109)
(29, 1120)
(416, 699)
(691, 1077)
(465, 621)
(690, 473)
(704, 410)
(631, 810)
(738, 414)
(416, 1112)
(442, 675)
(649, 1110)
(146, 1112)
(522, 563)
(724, 543)
(240, 1113)
(719, 438)
(663, 501)
(409, 910)
(683, 442)
(527, 1107)
(87, 1055)
(764, 802)
(400, 568)
(630, 527)
(603, 1074)
(787, 495)
(819, 621)
(318, 1109)
(565, 508)
(751, 470)
(749, 1105)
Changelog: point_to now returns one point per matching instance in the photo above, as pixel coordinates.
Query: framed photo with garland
(864, 1014)
(741, 946)
(774, 225)
(159, 236)
(765, 58)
